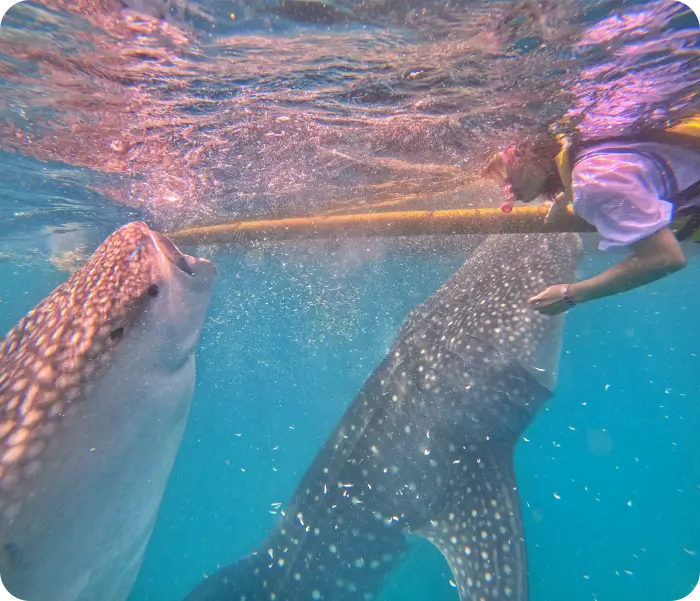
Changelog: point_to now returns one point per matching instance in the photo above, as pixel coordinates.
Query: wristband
(565, 296)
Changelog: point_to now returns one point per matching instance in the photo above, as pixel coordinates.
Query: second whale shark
(95, 388)
(426, 448)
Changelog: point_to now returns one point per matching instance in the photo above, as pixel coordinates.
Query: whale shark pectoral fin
(479, 529)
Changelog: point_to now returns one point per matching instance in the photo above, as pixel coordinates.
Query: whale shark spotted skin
(427, 445)
(95, 388)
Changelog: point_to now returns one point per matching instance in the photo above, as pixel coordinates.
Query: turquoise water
(291, 336)
(626, 473)
(195, 121)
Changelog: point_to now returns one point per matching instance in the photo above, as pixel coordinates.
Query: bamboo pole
(404, 223)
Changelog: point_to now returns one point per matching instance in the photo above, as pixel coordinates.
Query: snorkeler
(629, 189)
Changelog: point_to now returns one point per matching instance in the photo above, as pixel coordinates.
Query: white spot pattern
(433, 427)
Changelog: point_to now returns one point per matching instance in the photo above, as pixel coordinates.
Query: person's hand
(557, 209)
(550, 301)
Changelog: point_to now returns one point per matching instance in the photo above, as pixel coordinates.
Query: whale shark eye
(153, 290)
(116, 334)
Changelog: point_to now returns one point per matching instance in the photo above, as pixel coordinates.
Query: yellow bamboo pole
(404, 223)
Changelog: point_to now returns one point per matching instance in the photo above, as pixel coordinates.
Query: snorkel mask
(503, 164)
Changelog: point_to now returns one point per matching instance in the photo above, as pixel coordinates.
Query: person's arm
(652, 258)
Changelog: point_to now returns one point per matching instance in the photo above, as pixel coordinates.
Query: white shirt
(622, 194)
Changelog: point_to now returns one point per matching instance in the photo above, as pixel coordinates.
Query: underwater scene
(349, 300)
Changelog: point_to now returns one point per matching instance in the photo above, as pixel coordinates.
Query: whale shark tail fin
(237, 580)
(343, 561)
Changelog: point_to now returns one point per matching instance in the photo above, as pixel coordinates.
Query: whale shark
(426, 447)
(95, 388)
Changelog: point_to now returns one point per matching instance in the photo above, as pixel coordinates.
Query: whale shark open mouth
(172, 253)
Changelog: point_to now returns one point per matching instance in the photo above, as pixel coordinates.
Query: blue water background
(608, 471)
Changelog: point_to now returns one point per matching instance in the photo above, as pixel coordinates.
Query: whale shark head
(95, 386)
(426, 447)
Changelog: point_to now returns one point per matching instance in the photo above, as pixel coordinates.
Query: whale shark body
(95, 388)
(426, 448)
